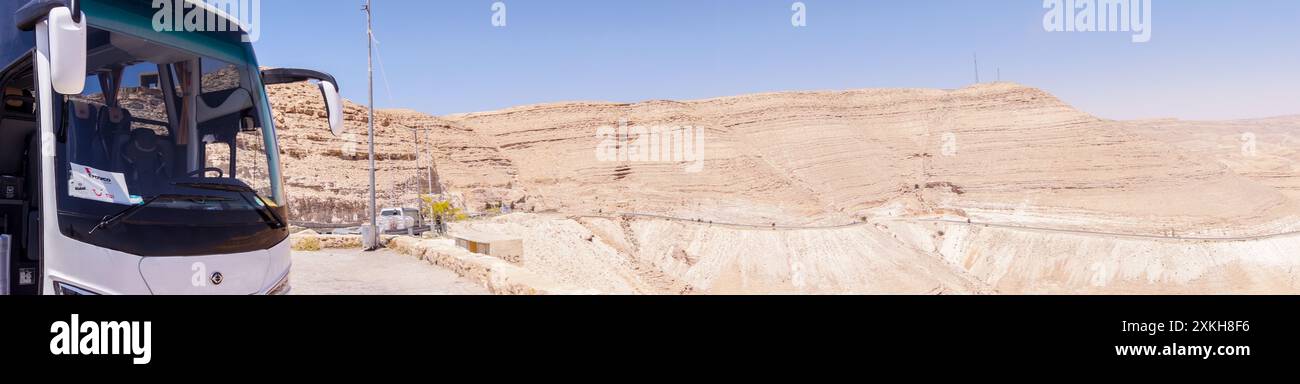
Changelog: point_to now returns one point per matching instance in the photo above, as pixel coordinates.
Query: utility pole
(418, 169)
(431, 165)
(370, 67)
(976, 56)
(419, 202)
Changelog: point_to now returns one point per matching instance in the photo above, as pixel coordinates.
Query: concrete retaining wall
(499, 276)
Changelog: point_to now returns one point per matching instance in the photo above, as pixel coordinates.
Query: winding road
(947, 221)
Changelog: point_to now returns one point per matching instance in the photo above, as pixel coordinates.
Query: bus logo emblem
(217, 278)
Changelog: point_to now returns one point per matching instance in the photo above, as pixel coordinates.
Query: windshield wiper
(214, 186)
(272, 218)
(113, 219)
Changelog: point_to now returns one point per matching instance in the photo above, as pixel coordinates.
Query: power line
(379, 56)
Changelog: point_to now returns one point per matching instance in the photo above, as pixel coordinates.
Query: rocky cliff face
(327, 176)
(993, 152)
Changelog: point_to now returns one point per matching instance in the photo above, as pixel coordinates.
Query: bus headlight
(281, 288)
(65, 289)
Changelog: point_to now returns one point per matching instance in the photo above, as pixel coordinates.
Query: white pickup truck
(399, 219)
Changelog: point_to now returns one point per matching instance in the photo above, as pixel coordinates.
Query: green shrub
(307, 243)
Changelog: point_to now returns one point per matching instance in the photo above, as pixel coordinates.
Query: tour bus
(137, 161)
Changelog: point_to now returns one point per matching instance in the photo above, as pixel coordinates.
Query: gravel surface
(384, 272)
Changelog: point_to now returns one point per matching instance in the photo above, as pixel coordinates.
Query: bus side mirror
(67, 39)
(334, 102)
(329, 89)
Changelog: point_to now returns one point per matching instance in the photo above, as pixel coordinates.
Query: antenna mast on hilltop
(370, 67)
(976, 56)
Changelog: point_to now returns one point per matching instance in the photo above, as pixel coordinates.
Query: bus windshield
(184, 132)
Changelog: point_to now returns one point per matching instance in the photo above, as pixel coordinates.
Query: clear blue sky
(1208, 59)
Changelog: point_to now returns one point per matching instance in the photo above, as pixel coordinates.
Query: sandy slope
(1041, 262)
(1265, 150)
(614, 255)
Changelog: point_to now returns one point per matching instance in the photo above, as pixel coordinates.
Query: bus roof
(129, 16)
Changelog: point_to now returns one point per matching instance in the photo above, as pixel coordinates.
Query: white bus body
(148, 160)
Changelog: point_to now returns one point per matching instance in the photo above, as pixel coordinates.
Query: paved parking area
(383, 272)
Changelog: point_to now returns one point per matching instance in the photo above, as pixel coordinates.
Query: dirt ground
(353, 272)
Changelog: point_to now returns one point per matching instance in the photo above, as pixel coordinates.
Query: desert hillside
(993, 152)
(1265, 150)
(994, 188)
